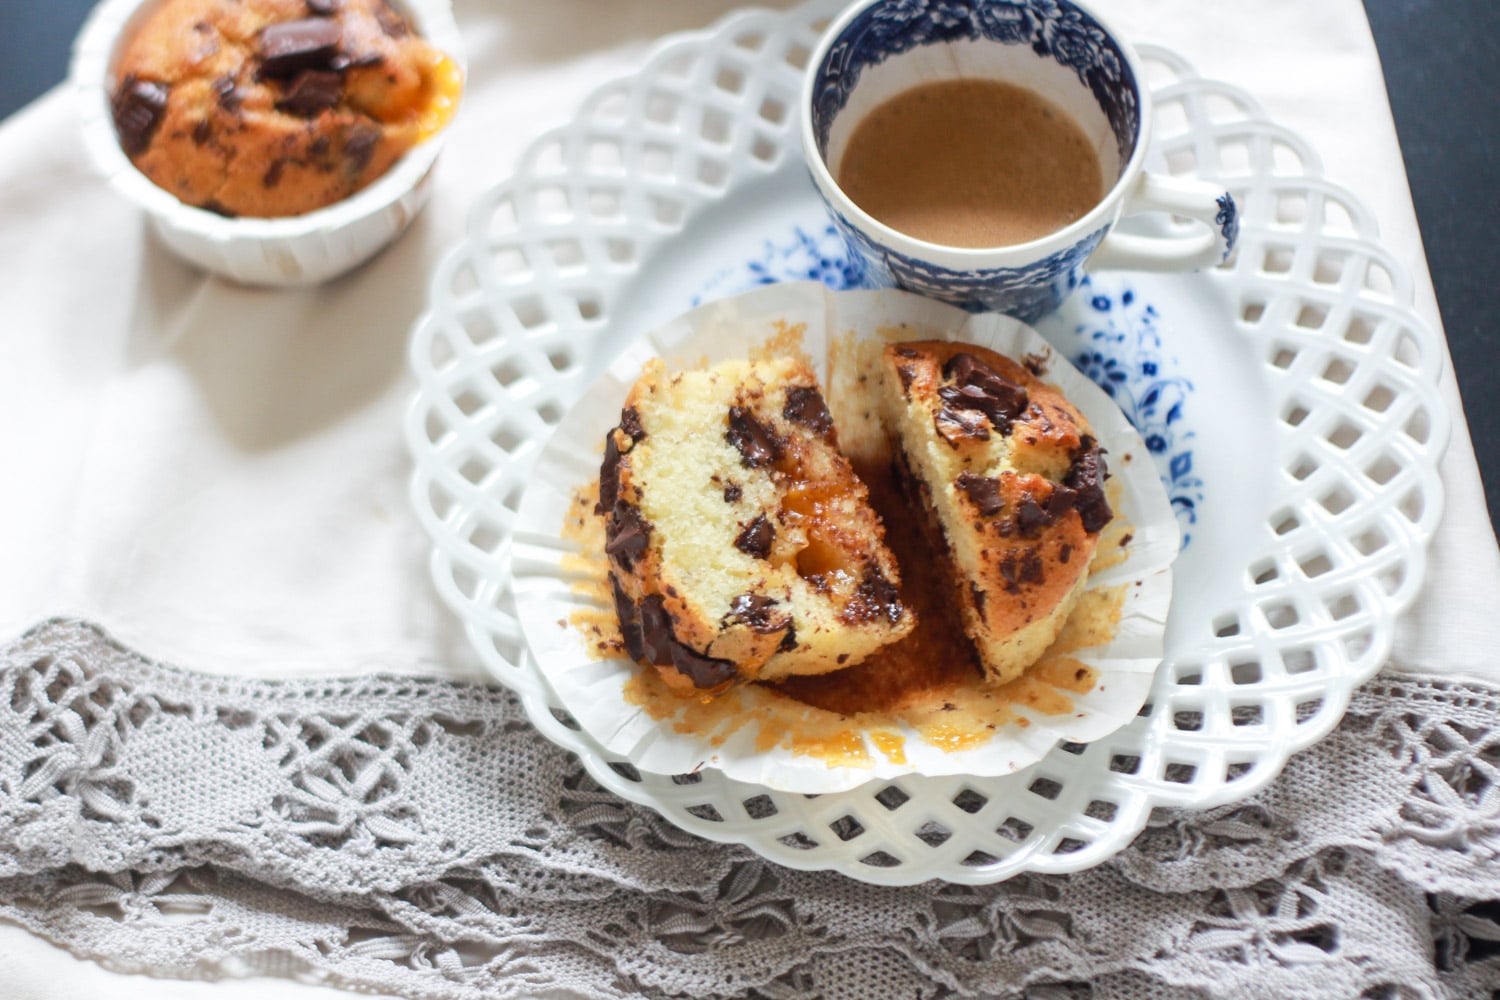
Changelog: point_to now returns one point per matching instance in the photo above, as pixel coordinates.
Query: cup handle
(1193, 199)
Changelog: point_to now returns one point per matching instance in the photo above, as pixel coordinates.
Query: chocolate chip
(960, 425)
(983, 491)
(630, 423)
(906, 373)
(311, 92)
(874, 598)
(290, 47)
(359, 147)
(627, 534)
(978, 595)
(139, 106)
(228, 94)
(703, 671)
(609, 475)
(732, 493)
(272, 176)
(1087, 475)
(977, 386)
(757, 537)
(323, 8)
(630, 622)
(656, 631)
(391, 23)
(757, 612)
(756, 443)
(805, 406)
(1064, 554)
(202, 132)
(788, 641)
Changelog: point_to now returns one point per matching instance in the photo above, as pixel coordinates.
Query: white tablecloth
(217, 476)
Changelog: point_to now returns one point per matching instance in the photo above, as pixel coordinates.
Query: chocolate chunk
(756, 443)
(391, 23)
(977, 386)
(202, 132)
(1087, 475)
(228, 94)
(660, 647)
(906, 373)
(805, 406)
(1064, 554)
(978, 595)
(609, 475)
(272, 176)
(732, 493)
(630, 622)
(788, 641)
(875, 597)
(757, 537)
(323, 8)
(630, 423)
(1010, 569)
(359, 147)
(758, 613)
(1031, 568)
(290, 47)
(958, 425)
(983, 491)
(138, 107)
(1032, 517)
(657, 639)
(703, 671)
(908, 352)
(311, 92)
(214, 206)
(1019, 568)
(627, 534)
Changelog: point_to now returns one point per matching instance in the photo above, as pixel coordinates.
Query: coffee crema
(971, 163)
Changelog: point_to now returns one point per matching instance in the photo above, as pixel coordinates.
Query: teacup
(1057, 49)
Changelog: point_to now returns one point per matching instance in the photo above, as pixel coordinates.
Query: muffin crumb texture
(269, 108)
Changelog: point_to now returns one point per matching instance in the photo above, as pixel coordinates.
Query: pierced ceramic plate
(1290, 398)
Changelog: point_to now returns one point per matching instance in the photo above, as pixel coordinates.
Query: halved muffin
(741, 544)
(1013, 483)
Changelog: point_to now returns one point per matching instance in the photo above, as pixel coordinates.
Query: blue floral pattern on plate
(1118, 345)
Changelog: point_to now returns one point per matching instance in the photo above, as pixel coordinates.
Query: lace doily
(418, 837)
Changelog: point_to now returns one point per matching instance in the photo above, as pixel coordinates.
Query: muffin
(741, 544)
(1012, 481)
(273, 108)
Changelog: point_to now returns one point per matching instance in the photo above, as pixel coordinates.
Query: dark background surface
(1442, 69)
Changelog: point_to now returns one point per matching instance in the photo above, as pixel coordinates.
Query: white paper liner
(295, 251)
(593, 690)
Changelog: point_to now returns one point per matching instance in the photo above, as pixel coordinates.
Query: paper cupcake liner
(294, 251)
(598, 692)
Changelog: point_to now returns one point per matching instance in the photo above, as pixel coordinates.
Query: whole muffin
(273, 108)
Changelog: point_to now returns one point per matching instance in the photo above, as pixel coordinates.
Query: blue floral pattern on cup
(1053, 29)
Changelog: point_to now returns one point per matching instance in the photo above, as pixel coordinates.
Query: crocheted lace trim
(419, 838)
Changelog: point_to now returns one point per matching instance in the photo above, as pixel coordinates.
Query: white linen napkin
(217, 474)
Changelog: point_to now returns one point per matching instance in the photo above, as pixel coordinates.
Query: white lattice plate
(596, 692)
(1289, 397)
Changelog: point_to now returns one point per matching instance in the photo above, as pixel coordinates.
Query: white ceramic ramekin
(296, 250)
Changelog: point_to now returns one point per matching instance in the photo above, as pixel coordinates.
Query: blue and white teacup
(1059, 49)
